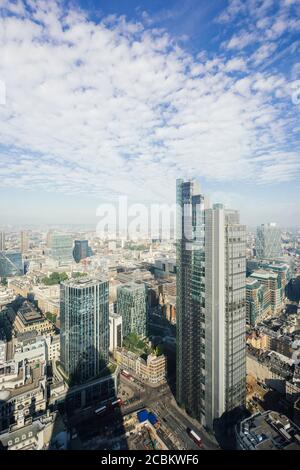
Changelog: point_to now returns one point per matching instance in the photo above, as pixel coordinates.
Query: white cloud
(116, 108)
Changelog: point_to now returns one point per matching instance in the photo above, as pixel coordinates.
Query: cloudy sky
(101, 98)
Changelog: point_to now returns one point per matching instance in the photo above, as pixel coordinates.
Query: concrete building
(268, 241)
(258, 301)
(28, 318)
(211, 307)
(24, 241)
(22, 392)
(6, 296)
(30, 347)
(2, 241)
(165, 267)
(115, 331)
(20, 286)
(84, 314)
(131, 305)
(53, 347)
(47, 298)
(3, 347)
(40, 434)
(267, 431)
(151, 369)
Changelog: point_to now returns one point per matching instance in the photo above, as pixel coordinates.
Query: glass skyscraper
(211, 307)
(132, 306)
(81, 250)
(84, 314)
(268, 241)
(61, 247)
(11, 264)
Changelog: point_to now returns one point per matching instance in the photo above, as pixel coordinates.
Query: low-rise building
(47, 298)
(53, 347)
(46, 432)
(28, 318)
(151, 368)
(30, 347)
(20, 286)
(267, 431)
(6, 296)
(22, 391)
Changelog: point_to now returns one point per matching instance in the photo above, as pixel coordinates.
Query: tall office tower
(211, 307)
(61, 247)
(48, 238)
(132, 306)
(84, 337)
(24, 241)
(81, 250)
(2, 241)
(11, 264)
(268, 241)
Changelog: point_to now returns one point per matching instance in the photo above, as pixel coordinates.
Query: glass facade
(268, 242)
(61, 247)
(211, 307)
(84, 328)
(190, 296)
(81, 250)
(132, 306)
(11, 264)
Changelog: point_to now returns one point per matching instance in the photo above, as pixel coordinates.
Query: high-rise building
(210, 307)
(84, 316)
(2, 241)
(268, 241)
(61, 247)
(132, 306)
(81, 250)
(24, 241)
(258, 301)
(115, 331)
(11, 264)
(272, 281)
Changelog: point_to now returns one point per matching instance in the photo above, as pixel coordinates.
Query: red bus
(125, 374)
(197, 439)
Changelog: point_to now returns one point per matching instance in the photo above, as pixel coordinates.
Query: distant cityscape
(185, 343)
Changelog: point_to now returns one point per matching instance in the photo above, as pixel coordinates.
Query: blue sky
(107, 98)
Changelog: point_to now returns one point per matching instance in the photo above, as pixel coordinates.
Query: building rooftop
(29, 314)
(264, 274)
(132, 286)
(83, 282)
(268, 431)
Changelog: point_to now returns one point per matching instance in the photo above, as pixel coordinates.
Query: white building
(2, 351)
(115, 331)
(30, 347)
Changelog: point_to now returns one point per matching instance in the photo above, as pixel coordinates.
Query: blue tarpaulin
(142, 416)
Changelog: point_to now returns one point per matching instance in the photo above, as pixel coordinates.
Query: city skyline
(215, 87)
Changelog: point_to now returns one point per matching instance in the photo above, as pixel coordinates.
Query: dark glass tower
(81, 250)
